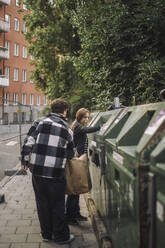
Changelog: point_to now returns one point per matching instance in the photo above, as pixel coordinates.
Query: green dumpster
(152, 156)
(126, 165)
(97, 159)
(126, 221)
(158, 193)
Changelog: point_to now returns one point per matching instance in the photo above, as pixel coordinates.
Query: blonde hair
(79, 115)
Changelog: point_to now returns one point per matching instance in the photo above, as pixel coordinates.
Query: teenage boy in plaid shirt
(45, 152)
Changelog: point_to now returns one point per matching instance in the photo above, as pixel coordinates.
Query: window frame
(9, 19)
(15, 98)
(31, 99)
(24, 75)
(6, 99)
(24, 98)
(16, 24)
(24, 52)
(16, 79)
(16, 49)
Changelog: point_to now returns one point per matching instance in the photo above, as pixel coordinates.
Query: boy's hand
(24, 167)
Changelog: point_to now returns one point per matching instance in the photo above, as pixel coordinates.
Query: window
(38, 100)
(31, 99)
(15, 117)
(15, 99)
(6, 98)
(23, 117)
(45, 100)
(7, 45)
(24, 52)
(7, 71)
(23, 75)
(16, 24)
(31, 80)
(24, 6)
(24, 99)
(17, 3)
(15, 76)
(16, 49)
(32, 57)
(6, 118)
(7, 18)
(24, 28)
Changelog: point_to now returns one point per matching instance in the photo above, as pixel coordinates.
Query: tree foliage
(91, 51)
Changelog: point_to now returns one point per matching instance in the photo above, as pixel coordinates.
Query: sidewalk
(19, 225)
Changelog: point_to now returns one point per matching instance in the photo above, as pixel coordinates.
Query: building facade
(18, 98)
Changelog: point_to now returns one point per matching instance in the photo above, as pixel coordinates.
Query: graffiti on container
(121, 115)
(118, 157)
(160, 210)
(151, 129)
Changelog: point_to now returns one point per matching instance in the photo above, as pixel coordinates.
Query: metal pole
(20, 128)
(3, 105)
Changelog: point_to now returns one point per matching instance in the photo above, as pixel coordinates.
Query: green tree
(122, 49)
(91, 51)
(53, 41)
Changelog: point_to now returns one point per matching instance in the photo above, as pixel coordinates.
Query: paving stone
(34, 238)
(83, 227)
(6, 238)
(10, 217)
(29, 216)
(2, 205)
(24, 232)
(30, 205)
(35, 222)
(7, 229)
(25, 245)
(6, 211)
(7, 245)
(18, 223)
(24, 211)
(78, 242)
(3, 222)
(28, 229)
(90, 239)
(53, 245)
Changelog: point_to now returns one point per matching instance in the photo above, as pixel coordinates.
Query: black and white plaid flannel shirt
(48, 146)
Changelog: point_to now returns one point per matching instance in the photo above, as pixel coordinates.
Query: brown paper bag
(77, 176)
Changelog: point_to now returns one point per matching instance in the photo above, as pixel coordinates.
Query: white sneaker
(44, 239)
(71, 238)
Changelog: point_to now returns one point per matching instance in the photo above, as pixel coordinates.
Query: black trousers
(72, 206)
(50, 201)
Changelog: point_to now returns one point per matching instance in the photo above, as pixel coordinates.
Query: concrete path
(19, 225)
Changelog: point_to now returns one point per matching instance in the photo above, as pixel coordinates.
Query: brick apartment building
(15, 84)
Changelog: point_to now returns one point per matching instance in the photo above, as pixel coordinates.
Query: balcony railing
(4, 53)
(4, 2)
(4, 26)
(4, 81)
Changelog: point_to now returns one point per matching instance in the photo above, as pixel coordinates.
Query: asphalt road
(9, 154)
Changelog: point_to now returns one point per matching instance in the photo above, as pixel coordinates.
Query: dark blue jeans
(50, 201)
(72, 206)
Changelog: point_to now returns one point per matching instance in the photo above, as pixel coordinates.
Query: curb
(8, 176)
(103, 238)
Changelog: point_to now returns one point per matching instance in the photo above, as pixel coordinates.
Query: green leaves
(91, 51)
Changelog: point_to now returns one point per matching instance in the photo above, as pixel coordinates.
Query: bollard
(2, 198)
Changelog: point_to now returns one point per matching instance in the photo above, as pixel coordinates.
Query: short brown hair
(81, 113)
(59, 105)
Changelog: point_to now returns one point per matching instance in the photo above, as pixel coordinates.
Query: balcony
(4, 53)
(4, 2)
(4, 26)
(4, 81)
